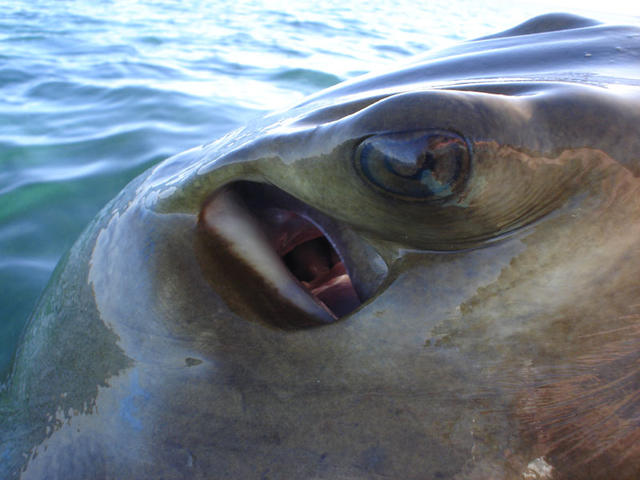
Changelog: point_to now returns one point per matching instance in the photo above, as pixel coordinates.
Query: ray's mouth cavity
(275, 243)
(312, 259)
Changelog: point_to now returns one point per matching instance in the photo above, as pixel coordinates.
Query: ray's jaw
(266, 251)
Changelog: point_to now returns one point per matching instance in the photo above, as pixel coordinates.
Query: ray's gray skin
(500, 330)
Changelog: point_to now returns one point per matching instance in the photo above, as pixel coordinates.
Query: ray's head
(314, 209)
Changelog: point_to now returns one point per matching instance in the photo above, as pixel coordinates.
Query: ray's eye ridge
(427, 165)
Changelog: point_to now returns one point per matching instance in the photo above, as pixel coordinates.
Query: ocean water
(94, 92)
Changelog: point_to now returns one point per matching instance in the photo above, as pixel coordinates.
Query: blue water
(94, 92)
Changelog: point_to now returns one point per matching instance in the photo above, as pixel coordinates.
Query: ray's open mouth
(312, 259)
(271, 243)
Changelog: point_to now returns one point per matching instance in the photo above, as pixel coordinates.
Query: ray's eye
(431, 165)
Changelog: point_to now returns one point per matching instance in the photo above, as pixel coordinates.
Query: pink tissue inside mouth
(311, 258)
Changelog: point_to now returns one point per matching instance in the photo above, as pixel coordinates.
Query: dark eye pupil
(430, 164)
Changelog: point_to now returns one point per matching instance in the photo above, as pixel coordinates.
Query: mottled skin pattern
(502, 343)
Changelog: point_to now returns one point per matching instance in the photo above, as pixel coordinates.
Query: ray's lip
(262, 227)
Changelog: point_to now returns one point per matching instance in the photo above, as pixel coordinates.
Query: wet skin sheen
(485, 203)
